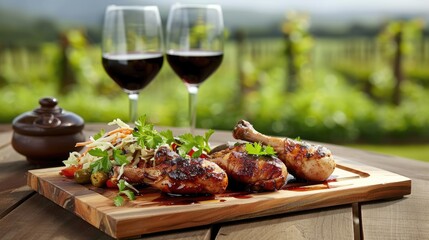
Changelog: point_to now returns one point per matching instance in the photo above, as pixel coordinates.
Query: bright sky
(313, 6)
(364, 10)
(324, 6)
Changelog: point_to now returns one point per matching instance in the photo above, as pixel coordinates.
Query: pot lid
(48, 120)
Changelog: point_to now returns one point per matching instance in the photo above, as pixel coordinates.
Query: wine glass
(132, 48)
(194, 46)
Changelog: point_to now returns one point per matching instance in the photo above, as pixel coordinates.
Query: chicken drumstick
(174, 174)
(303, 160)
(257, 173)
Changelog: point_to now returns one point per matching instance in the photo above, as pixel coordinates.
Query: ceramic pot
(47, 134)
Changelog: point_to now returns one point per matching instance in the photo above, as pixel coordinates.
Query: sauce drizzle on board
(172, 199)
(168, 199)
(149, 196)
(310, 187)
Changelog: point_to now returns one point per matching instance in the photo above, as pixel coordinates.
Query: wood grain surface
(25, 214)
(351, 182)
(324, 223)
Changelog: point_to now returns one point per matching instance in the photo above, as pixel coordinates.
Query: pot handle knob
(47, 121)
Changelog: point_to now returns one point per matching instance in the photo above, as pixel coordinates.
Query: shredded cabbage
(72, 159)
(121, 171)
(119, 122)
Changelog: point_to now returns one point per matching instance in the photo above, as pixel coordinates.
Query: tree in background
(398, 40)
(66, 74)
(299, 43)
(76, 67)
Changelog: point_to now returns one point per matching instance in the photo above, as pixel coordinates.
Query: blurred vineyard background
(363, 86)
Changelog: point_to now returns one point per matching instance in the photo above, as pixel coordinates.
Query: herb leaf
(147, 137)
(119, 157)
(102, 164)
(208, 134)
(129, 194)
(167, 136)
(259, 150)
(186, 144)
(119, 200)
(121, 185)
(197, 144)
(99, 134)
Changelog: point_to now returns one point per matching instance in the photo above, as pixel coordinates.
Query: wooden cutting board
(154, 212)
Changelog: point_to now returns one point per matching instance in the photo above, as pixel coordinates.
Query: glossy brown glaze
(187, 176)
(303, 160)
(169, 200)
(257, 173)
(171, 173)
(47, 134)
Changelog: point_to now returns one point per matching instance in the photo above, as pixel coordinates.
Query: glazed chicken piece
(257, 173)
(174, 174)
(303, 160)
(187, 176)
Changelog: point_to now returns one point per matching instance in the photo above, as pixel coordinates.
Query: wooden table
(25, 214)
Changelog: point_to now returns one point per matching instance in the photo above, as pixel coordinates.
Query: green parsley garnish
(259, 150)
(119, 200)
(119, 157)
(99, 134)
(187, 142)
(148, 137)
(103, 163)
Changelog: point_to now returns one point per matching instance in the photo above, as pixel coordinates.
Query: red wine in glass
(132, 72)
(194, 46)
(132, 48)
(193, 67)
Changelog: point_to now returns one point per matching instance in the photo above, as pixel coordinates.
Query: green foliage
(299, 44)
(103, 163)
(410, 30)
(122, 190)
(148, 137)
(327, 107)
(18, 30)
(199, 144)
(259, 150)
(296, 27)
(414, 151)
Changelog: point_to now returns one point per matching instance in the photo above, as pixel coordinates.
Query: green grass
(417, 151)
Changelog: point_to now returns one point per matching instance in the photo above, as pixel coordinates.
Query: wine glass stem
(134, 97)
(193, 91)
